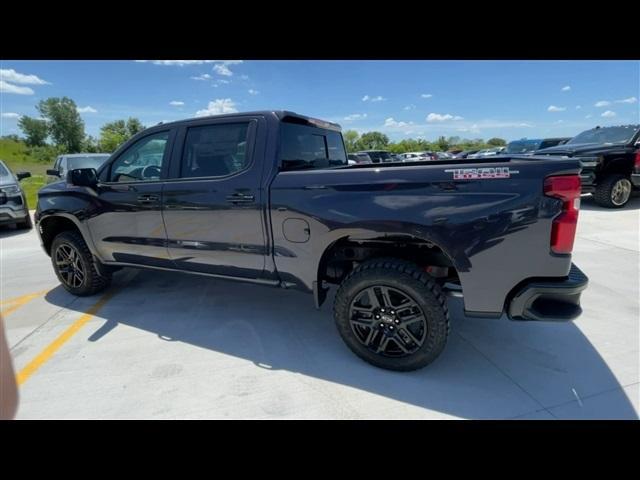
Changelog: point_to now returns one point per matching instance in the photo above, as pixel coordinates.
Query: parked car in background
(529, 146)
(487, 152)
(418, 156)
(378, 156)
(464, 154)
(444, 156)
(610, 160)
(13, 202)
(359, 158)
(64, 163)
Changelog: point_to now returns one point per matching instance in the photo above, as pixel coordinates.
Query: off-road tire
(411, 280)
(92, 282)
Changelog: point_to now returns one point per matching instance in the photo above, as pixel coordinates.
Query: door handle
(241, 198)
(146, 198)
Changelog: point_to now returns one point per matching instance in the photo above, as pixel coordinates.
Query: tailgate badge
(481, 173)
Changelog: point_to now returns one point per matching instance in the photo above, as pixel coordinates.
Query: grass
(18, 158)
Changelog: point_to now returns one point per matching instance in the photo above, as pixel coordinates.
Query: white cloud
(602, 103)
(628, 100)
(553, 108)
(367, 98)
(558, 122)
(10, 75)
(410, 107)
(471, 129)
(182, 63)
(204, 76)
(589, 116)
(390, 122)
(426, 95)
(566, 88)
(6, 87)
(176, 103)
(244, 77)
(222, 69)
(608, 114)
(438, 117)
(10, 115)
(218, 106)
(253, 92)
(355, 116)
(578, 107)
(87, 109)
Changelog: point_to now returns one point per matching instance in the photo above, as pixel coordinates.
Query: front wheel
(392, 314)
(613, 191)
(74, 267)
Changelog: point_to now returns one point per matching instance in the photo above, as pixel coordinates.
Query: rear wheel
(613, 191)
(73, 264)
(392, 314)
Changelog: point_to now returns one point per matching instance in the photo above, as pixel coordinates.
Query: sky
(403, 99)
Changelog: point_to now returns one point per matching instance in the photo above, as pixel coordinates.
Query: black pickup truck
(268, 197)
(610, 161)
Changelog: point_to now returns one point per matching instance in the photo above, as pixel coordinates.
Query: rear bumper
(549, 300)
(635, 179)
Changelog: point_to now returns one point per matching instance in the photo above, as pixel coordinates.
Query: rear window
(304, 147)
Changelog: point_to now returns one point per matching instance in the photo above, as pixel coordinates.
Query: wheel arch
(333, 264)
(52, 225)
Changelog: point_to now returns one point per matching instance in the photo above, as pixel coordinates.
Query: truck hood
(59, 186)
(585, 149)
(7, 180)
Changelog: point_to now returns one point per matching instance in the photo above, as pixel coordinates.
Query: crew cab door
(213, 204)
(126, 225)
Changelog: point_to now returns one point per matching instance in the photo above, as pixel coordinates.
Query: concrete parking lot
(163, 345)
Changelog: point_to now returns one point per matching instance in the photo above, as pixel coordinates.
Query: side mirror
(53, 172)
(83, 177)
(22, 175)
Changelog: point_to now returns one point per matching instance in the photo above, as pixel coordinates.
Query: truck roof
(282, 115)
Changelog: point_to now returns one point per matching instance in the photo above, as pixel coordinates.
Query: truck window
(304, 147)
(214, 150)
(142, 161)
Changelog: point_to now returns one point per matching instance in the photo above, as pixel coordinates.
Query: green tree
(350, 138)
(372, 141)
(90, 145)
(114, 134)
(35, 130)
(442, 144)
(65, 125)
(496, 142)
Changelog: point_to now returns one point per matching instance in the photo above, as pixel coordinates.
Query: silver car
(64, 163)
(13, 202)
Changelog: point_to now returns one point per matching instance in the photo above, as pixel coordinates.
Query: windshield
(622, 134)
(90, 161)
(305, 147)
(523, 146)
(3, 171)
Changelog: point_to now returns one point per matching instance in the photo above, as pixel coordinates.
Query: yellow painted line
(53, 347)
(19, 301)
(21, 297)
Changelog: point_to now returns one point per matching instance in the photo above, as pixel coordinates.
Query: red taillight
(636, 161)
(563, 231)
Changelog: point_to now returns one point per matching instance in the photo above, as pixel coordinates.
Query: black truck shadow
(281, 330)
(588, 203)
